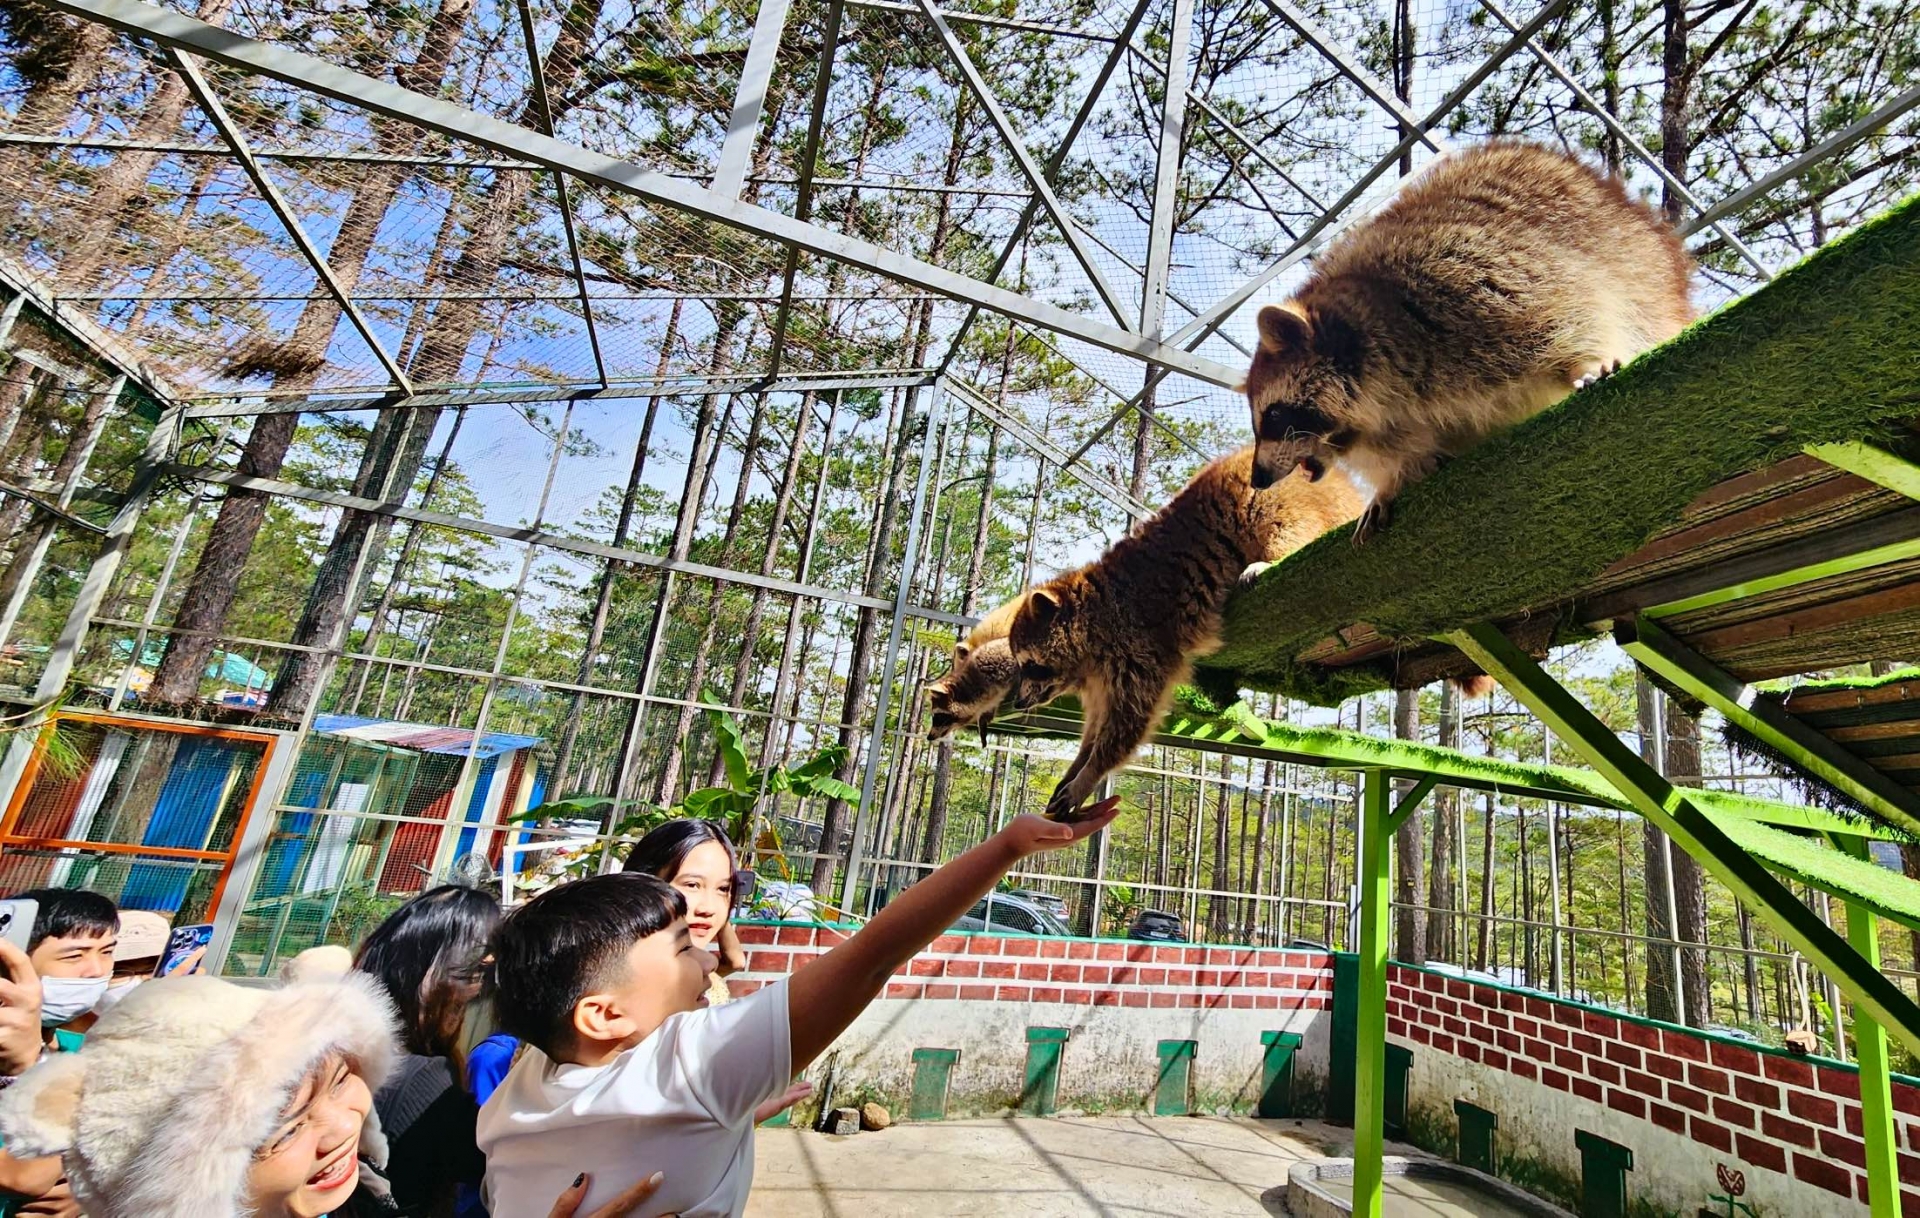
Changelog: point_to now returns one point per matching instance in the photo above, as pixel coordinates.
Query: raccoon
(972, 692)
(1124, 629)
(1495, 283)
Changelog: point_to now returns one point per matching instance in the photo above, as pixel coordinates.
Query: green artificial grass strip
(1879, 889)
(1192, 722)
(1793, 685)
(1827, 352)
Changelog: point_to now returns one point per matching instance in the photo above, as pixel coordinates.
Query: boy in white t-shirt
(627, 1071)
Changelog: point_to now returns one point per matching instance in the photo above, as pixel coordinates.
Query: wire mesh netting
(651, 461)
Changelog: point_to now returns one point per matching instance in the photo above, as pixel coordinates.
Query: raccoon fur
(1496, 282)
(1124, 629)
(972, 692)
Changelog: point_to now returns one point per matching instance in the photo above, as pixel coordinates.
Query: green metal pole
(1675, 813)
(1370, 1033)
(1876, 1079)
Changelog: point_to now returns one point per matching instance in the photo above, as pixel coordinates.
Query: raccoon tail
(1479, 685)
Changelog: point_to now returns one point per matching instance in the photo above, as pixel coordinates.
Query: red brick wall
(1080, 972)
(1798, 1117)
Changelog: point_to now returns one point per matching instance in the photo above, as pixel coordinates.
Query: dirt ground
(1217, 1167)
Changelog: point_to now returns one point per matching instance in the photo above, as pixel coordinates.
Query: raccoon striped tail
(1479, 685)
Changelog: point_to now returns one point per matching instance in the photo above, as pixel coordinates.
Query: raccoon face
(1299, 389)
(1037, 686)
(973, 691)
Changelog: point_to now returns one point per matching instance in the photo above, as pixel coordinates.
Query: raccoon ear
(939, 697)
(1041, 609)
(1283, 330)
(960, 653)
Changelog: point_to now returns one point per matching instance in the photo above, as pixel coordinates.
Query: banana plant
(733, 804)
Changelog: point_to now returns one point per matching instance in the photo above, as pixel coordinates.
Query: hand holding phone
(20, 1032)
(186, 950)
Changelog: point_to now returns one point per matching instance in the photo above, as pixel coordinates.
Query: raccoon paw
(1372, 521)
(1599, 372)
(1252, 574)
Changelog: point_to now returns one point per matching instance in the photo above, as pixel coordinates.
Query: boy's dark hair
(70, 913)
(552, 951)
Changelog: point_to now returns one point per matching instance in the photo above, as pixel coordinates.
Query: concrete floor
(1062, 1166)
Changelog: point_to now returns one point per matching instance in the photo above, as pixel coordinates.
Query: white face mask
(68, 998)
(115, 993)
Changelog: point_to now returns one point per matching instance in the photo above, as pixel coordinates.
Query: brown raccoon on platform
(1497, 281)
(982, 676)
(1124, 629)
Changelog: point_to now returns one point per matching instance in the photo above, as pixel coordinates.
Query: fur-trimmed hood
(159, 1113)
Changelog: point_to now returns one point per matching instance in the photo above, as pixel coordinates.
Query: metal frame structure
(1164, 332)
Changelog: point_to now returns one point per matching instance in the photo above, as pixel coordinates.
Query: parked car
(1004, 911)
(1157, 926)
(1057, 906)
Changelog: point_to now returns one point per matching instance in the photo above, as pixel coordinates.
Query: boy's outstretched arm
(826, 996)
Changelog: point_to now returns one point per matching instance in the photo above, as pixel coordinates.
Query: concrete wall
(980, 993)
(1685, 1103)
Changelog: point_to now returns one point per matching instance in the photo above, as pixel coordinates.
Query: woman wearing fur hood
(198, 1098)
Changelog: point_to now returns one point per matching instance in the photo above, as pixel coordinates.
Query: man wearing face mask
(67, 965)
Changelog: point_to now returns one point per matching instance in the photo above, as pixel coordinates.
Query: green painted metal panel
(932, 1081)
(1370, 1022)
(1603, 1175)
(1477, 1126)
(1876, 1081)
(1040, 1094)
(1237, 730)
(1767, 721)
(1346, 1020)
(1276, 1073)
(1676, 814)
(1394, 1103)
(1173, 1094)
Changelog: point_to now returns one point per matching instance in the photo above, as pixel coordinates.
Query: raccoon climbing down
(969, 695)
(982, 677)
(1124, 629)
(1495, 283)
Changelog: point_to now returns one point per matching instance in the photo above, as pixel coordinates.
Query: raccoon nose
(1262, 478)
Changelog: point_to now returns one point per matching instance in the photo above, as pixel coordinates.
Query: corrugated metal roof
(421, 737)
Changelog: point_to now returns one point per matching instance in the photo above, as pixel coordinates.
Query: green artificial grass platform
(1194, 723)
(1882, 890)
(1827, 352)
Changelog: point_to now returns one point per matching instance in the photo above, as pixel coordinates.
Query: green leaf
(829, 788)
(733, 747)
(566, 809)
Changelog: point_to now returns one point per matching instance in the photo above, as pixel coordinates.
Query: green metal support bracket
(1477, 1127)
(1603, 1175)
(1041, 1094)
(1873, 463)
(1173, 1092)
(1410, 803)
(932, 1081)
(1675, 814)
(1764, 719)
(1876, 1083)
(1370, 1032)
(1276, 1073)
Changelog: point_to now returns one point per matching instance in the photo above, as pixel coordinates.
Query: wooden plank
(1898, 729)
(1727, 572)
(1851, 611)
(1748, 520)
(1815, 701)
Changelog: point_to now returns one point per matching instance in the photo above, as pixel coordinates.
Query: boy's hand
(20, 1032)
(1032, 834)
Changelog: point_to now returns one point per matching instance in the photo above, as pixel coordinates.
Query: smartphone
(16, 923)
(186, 950)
